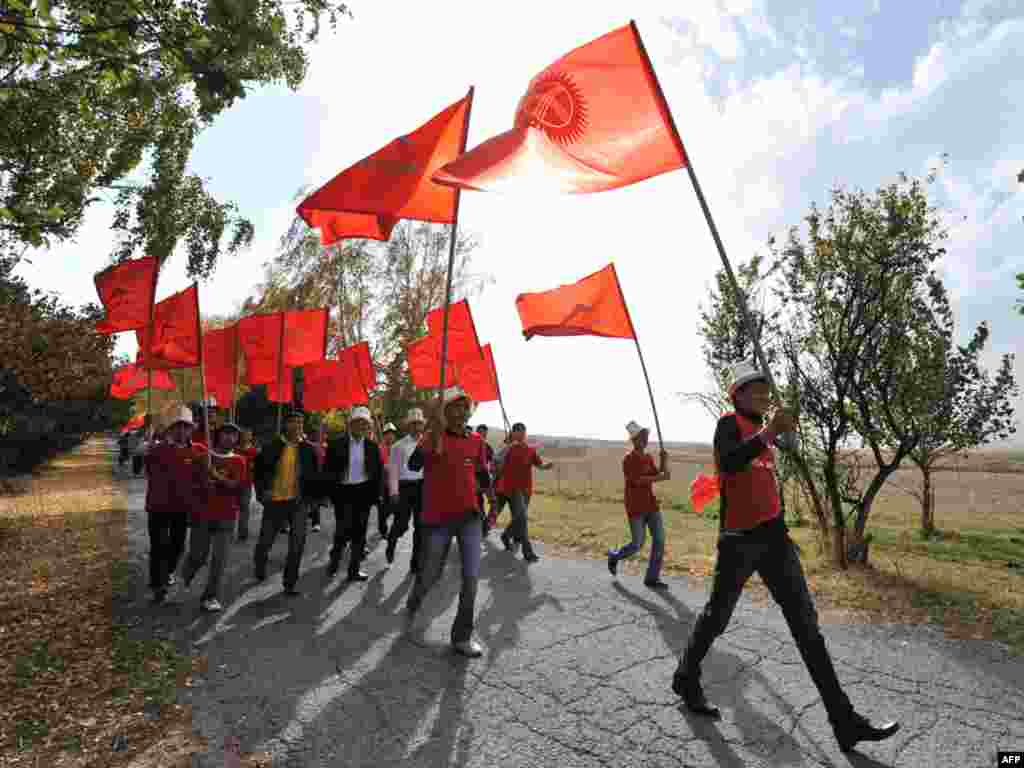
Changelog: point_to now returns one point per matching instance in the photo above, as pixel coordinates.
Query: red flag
(135, 422)
(479, 378)
(394, 182)
(592, 307)
(220, 363)
(330, 384)
(127, 291)
(305, 337)
(359, 365)
(259, 336)
(594, 120)
(129, 379)
(703, 490)
(424, 359)
(176, 335)
(337, 226)
(283, 391)
(463, 342)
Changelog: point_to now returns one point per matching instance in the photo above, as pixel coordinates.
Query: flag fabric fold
(463, 341)
(127, 291)
(220, 363)
(479, 378)
(594, 120)
(594, 306)
(175, 341)
(367, 199)
(703, 490)
(259, 337)
(129, 379)
(423, 357)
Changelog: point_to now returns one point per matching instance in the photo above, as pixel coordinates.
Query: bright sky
(774, 102)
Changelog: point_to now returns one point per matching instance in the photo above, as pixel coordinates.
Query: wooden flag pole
(202, 389)
(741, 300)
(643, 365)
(451, 250)
(280, 374)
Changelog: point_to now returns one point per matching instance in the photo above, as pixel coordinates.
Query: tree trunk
(812, 491)
(839, 534)
(927, 501)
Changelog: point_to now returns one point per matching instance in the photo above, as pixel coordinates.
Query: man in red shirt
(642, 506)
(516, 462)
(173, 472)
(450, 459)
(214, 521)
(754, 537)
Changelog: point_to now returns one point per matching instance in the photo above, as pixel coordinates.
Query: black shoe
(389, 553)
(159, 595)
(333, 567)
(292, 591)
(656, 584)
(260, 575)
(613, 565)
(358, 576)
(858, 728)
(689, 688)
(506, 539)
(530, 557)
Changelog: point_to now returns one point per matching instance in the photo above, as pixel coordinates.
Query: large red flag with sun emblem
(127, 291)
(594, 306)
(594, 120)
(367, 199)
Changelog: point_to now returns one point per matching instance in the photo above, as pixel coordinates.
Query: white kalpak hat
(415, 414)
(744, 373)
(182, 415)
(389, 427)
(452, 394)
(635, 429)
(361, 412)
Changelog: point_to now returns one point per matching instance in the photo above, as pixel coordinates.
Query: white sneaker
(212, 605)
(470, 648)
(172, 580)
(316, 529)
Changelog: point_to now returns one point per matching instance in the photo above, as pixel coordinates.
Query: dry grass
(70, 680)
(963, 580)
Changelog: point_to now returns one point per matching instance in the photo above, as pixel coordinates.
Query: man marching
(405, 489)
(516, 462)
(384, 511)
(450, 458)
(356, 473)
(753, 537)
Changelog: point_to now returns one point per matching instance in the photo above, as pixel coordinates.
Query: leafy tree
(97, 86)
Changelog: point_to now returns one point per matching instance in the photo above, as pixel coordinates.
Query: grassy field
(76, 689)
(970, 578)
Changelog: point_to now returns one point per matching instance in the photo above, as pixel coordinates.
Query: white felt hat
(744, 373)
(182, 415)
(635, 429)
(361, 412)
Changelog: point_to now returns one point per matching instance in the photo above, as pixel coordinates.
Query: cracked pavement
(576, 672)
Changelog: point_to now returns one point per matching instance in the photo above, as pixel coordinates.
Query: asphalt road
(576, 672)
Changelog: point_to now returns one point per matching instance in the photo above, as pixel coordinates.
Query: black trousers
(409, 507)
(167, 531)
(351, 514)
(770, 552)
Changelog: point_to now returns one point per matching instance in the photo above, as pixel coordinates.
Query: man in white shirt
(355, 474)
(406, 489)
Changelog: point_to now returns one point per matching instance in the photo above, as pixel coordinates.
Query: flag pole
(643, 365)
(280, 373)
(741, 300)
(451, 249)
(202, 387)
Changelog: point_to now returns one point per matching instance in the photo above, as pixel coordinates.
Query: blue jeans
(638, 527)
(436, 542)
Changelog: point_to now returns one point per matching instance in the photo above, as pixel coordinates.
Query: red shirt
(174, 477)
(517, 468)
(749, 497)
(640, 498)
(221, 502)
(449, 479)
(249, 454)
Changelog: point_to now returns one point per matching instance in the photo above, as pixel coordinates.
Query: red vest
(750, 497)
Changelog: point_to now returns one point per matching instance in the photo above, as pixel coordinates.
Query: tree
(98, 86)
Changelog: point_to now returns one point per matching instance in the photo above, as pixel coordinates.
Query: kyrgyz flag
(175, 337)
(423, 357)
(220, 363)
(596, 119)
(330, 384)
(259, 337)
(127, 291)
(463, 342)
(358, 365)
(129, 379)
(479, 378)
(393, 183)
(305, 336)
(703, 490)
(592, 307)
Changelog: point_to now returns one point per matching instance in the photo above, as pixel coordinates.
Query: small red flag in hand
(594, 120)
(366, 199)
(127, 291)
(703, 490)
(176, 338)
(463, 342)
(594, 306)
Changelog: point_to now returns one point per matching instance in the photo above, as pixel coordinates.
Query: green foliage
(99, 86)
